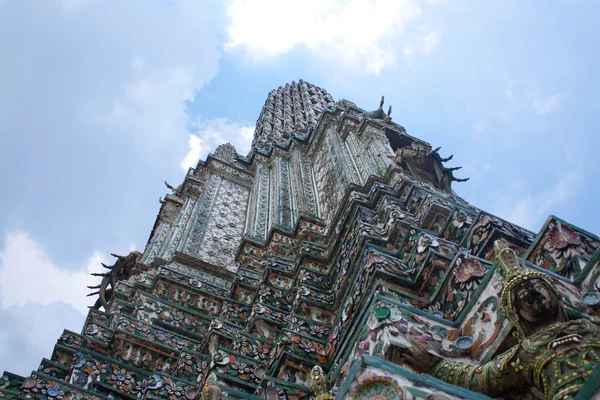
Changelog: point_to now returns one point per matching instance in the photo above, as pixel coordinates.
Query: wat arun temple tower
(333, 261)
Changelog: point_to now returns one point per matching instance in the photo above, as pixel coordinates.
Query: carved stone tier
(337, 243)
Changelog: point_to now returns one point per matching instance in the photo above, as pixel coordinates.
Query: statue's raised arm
(554, 355)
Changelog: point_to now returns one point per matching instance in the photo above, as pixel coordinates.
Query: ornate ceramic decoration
(377, 388)
(316, 265)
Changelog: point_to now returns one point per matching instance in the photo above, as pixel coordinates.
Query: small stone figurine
(318, 383)
(211, 391)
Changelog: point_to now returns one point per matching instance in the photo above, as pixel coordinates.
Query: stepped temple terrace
(334, 261)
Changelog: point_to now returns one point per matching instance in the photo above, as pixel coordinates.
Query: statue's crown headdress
(507, 261)
(512, 272)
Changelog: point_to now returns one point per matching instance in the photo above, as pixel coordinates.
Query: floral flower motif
(158, 382)
(468, 269)
(95, 368)
(517, 365)
(424, 242)
(318, 330)
(295, 324)
(271, 392)
(562, 236)
(262, 351)
(91, 329)
(460, 218)
(264, 291)
(70, 339)
(178, 316)
(307, 346)
(174, 390)
(122, 379)
(33, 384)
(143, 384)
(80, 357)
(161, 336)
(324, 350)
(79, 377)
(52, 389)
(240, 367)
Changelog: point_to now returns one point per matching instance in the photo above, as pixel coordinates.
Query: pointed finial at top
(506, 260)
(381, 102)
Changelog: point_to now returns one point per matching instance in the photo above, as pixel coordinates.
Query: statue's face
(535, 301)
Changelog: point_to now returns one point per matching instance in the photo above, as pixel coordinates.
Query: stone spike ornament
(379, 113)
(337, 258)
(460, 179)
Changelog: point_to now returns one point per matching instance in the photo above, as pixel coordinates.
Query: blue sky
(102, 101)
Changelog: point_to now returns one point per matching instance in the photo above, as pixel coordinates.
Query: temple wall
(324, 247)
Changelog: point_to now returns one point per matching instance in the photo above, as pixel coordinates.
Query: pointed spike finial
(382, 102)
(460, 179)
(169, 186)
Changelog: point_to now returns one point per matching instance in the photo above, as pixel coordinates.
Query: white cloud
(480, 127)
(193, 155)
(546, 105)
(530, 210)
(27, 275)
(167, 68)
(130, 68)
(152, 106)
(209, 134)
(29, 332)
(431, 41)
(355, 33)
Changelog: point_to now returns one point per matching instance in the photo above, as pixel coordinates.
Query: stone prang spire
(336, 261)
(292, 108)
